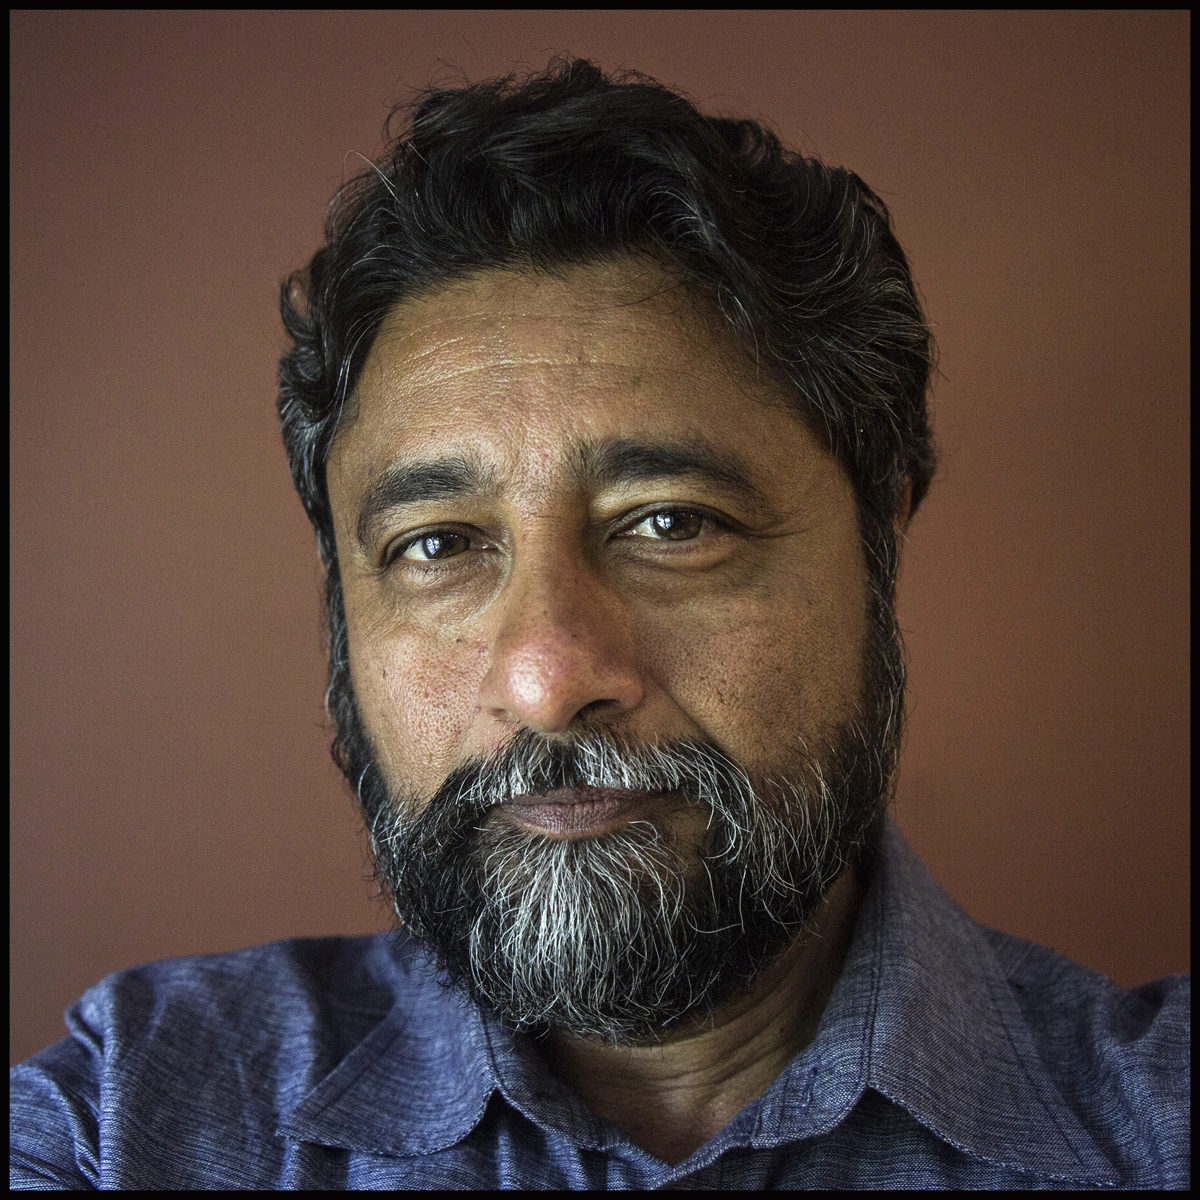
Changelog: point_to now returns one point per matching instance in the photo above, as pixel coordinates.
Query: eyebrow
(417, 482)
(607, 463)
(640, 460)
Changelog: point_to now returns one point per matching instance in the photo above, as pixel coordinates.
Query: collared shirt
(948, 1056)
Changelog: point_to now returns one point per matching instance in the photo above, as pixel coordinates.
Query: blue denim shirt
(949, 1056)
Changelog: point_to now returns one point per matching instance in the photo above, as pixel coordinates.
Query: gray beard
(621, 937)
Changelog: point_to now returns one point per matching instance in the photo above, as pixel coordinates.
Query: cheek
(753, 673)
(418, 698)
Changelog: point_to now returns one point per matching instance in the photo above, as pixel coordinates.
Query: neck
(673, 1096)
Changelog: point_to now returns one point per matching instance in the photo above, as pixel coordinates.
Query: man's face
(570, 506)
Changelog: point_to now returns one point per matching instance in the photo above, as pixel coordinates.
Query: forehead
(519, 368)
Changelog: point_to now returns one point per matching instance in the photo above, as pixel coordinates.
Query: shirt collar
(418, 1083)
(421, 1080)
(922, 1012)
(948, 1041)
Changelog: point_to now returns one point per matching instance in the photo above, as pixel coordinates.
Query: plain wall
(171, 786)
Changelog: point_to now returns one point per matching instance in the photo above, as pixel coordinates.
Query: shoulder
(316, 996)
(1119, 1057)
(317, 992)
(216, 1045)
(351, 972)
(1080, 1010)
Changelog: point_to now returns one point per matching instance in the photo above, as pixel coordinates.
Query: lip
(578, 812)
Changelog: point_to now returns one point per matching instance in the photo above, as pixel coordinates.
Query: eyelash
(709, 522)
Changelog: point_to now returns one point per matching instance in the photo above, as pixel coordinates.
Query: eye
(672, 525)
(432, 547)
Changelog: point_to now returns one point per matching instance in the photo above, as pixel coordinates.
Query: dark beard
(623, 936)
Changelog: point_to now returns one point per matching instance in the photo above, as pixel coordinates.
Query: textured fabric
(949, 1056)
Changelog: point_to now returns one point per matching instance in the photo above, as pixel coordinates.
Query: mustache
(532, 764)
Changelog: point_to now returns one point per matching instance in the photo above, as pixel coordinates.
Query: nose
(562, 645)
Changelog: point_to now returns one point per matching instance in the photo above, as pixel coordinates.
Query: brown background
(172, 792)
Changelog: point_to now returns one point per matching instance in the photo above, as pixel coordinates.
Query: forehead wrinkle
(433, 326)
(425, 372)
(426, 331)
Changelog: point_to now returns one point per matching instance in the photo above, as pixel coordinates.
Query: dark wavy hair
(571, 166)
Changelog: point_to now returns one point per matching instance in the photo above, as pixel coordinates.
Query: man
(610, 419)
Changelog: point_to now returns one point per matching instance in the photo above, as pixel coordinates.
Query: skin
(554, 598)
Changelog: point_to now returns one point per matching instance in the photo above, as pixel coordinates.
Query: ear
(900, 524)
(904, 510)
